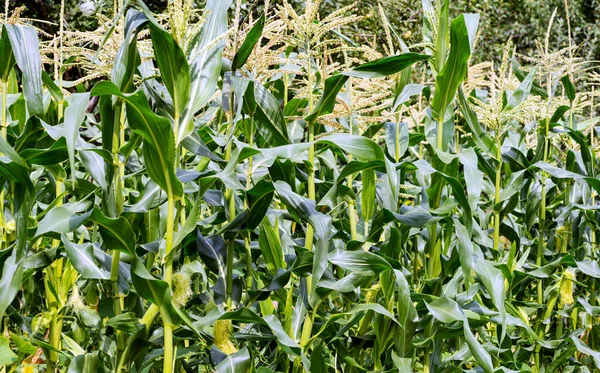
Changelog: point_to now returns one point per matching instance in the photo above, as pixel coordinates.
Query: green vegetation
(242, 187)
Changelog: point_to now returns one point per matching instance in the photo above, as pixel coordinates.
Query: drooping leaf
(82, 258)
(493, 280)
(117, 233)
(155, 291)
(7, 356)
(482, 357)
(373, 69)
(61, 220)
(445, 310)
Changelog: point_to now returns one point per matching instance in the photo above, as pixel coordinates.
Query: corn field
(238, 186)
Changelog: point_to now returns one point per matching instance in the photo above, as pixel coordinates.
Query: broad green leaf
(359, 261)
(569, 87)
(373, 69)
(465, 251)
(213, 253)
(520, 74)
(555, 171)
(70, 345)
(360, 147)
(148, 199)
(155, 291)
(189, 226)
(26, 50)
(326, 104)
(317, 360)
(244, 315)
(355, 166)
(238, 362)
(519, 95)
(82, 258)
(441, 39)
(204, 56)
(402, 364)
(83, 363)
(481, 137)
(12, 267)
(159, 143)
(60, 220)
(455, 67)
(591, 310)
(377, 308)
(416, 217)
(473, 176)
(558, 362)
(248, 45)
(8, 151)
(10, 282)
(408, 91)
(94, 163)
(457, 188)
(7, 356)
(108, 120)
(396, 139)
(22, 344)
(53, 155)
(589, 267)
(194, 144)
(368, 194)
(259, 200)
(585, 349)
(281, 335)
(482, 357)
(24, 197)
(493, 281)
(74, 115)
(305, 210)
(173, 66)
(269, 117)
(7, 57)
(386, 66)
(269, 244)
(128, 59)
(348, 283)
(126, 322)
(445, 310)
(117, 233)
(54, 89)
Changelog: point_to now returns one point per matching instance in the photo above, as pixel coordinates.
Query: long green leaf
(159, 143)
(462, 31)
(248, 45)
(25, 46)
(173, 66)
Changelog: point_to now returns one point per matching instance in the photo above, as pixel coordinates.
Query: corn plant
(239, 187)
